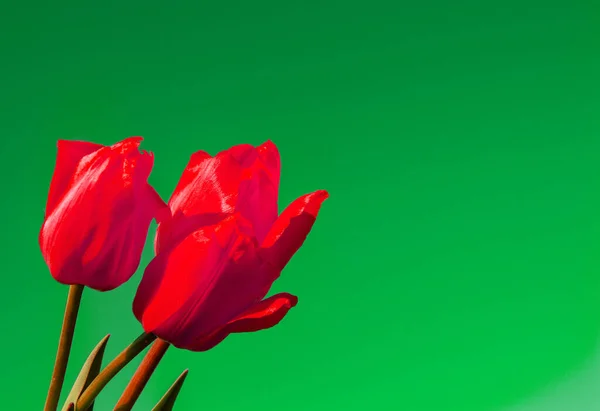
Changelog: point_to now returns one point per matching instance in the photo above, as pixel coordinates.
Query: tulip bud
(99, 209)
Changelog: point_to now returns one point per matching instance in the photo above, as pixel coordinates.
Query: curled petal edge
(264, 314)
(291, 228)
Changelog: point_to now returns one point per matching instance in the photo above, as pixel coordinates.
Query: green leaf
(89, 371)
(168, 400)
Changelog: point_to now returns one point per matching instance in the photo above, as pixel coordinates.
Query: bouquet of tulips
(220, 244)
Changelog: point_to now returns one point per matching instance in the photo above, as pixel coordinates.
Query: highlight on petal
(208, 185)
(136, 169)
(264, 314)
(191, 170)
(126, 146)
(69, 154)
(73, 225)
(292, 227)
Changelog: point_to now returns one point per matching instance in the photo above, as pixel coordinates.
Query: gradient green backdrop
(455, 266)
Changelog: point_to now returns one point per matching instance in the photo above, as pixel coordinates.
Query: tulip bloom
(222, 249)
(99, 209)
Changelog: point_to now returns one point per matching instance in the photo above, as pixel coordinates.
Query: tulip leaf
(89, 371)
(168, 400)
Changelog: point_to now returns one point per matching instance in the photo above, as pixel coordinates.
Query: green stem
(64, 347)
(91, 392)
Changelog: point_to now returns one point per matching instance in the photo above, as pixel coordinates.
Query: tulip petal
(125, 195)
(244, 154)
(124, 253)
(259, 189)
(269, 156)
(202, 282)
(206, 193)
(291, 228)
(264, 314)
(69, 154)
(95, 234)
(209, 184)
(258, 200)
(209, 190)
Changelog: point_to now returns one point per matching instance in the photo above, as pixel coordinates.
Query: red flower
(222, 249)
(98, 213)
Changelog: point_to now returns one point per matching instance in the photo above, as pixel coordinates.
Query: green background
(455, 266)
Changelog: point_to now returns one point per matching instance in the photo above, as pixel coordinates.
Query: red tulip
(98, 213)
(221, 250)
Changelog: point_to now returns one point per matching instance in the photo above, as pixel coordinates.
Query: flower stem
(91, 392)
(142, 375)
(64, 347)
